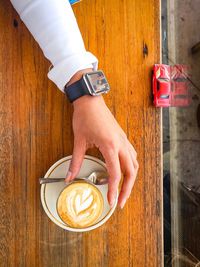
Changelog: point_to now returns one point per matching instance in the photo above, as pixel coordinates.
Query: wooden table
(35, 131)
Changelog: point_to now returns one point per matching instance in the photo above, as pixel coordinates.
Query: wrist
(78, 75)
(86, 100)
(86, 86)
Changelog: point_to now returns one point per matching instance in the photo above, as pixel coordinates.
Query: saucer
(49, 192)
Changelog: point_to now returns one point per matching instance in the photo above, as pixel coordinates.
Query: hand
(94, 125)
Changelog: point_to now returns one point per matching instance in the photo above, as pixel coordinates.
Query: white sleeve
(54, 26)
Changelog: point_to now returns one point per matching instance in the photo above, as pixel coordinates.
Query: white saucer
(49, 192)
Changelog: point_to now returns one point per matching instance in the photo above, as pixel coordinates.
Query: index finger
(114, 171)
(130, 171)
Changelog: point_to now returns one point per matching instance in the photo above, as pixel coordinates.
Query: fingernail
(68, 176)
(112, 201)
(122, 203)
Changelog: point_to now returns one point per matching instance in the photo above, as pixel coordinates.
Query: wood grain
(35, 131)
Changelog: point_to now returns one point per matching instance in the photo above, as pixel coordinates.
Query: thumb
(77, 159)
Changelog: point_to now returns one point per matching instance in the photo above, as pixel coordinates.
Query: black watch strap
(76, 90)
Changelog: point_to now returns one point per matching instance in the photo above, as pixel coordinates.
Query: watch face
(97, 82)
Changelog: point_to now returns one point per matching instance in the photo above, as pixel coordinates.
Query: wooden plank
(35, 131)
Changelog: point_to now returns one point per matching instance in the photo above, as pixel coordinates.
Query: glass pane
(181, 134)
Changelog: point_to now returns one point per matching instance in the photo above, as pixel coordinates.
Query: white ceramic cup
(50, 192)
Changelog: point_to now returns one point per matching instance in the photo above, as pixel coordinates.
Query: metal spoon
(97, 178)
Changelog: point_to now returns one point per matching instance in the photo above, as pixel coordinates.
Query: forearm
(54, 26)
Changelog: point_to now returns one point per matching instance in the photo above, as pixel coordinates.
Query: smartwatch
(92, 83)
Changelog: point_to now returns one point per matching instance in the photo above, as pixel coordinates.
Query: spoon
(97, 178)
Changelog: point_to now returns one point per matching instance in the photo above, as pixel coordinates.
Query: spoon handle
(51, 180)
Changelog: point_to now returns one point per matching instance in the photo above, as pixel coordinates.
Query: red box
(170, 86)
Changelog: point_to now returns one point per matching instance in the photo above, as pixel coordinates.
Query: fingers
(77, 159)
(129, 166)
(132, 151)
(133, 154)
(114, 171)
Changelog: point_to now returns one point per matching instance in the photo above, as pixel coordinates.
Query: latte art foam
(80, 204)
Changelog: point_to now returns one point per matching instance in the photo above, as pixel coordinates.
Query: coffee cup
(51, 193)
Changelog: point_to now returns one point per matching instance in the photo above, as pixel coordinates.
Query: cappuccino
(80, 204)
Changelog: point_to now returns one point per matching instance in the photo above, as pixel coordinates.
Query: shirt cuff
(61, 73)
